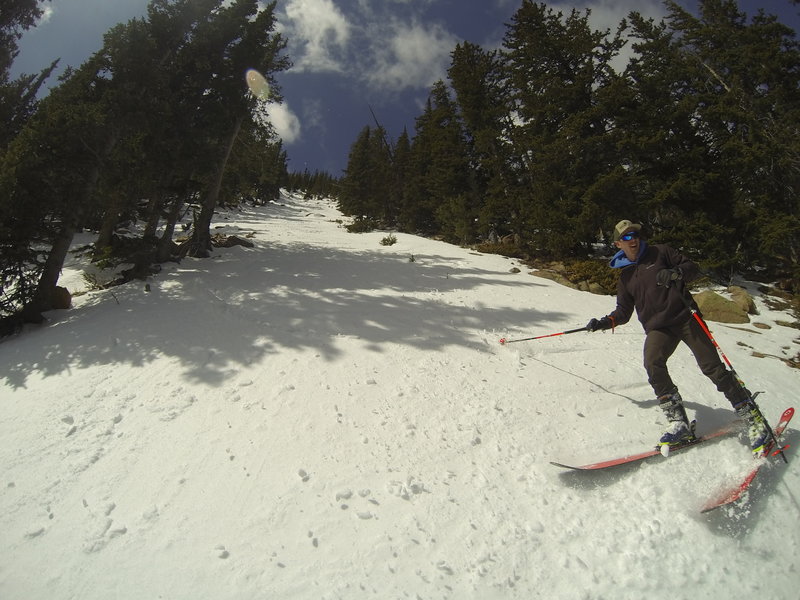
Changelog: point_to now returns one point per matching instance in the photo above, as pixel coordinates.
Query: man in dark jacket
(649, 283)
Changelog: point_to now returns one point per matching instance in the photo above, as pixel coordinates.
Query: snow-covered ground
(322, 417)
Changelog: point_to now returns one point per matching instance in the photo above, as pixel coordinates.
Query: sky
(349, 56)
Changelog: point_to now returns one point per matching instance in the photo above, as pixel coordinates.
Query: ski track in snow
(321, 417)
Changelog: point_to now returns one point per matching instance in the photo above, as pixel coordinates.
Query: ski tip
(563, 466)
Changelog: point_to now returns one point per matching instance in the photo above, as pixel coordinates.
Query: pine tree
(153, 114)
(366, 188)
(16, 17)
(401, 168)
(748, 103)
(477, 78)
(667, 162)
(440, 196)
(709, 139)
(239, 36)
(47, 180)
(381, 178)
(556, 67)
(355, 198)
(18, 97)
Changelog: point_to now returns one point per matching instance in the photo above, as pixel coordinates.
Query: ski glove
(665, 277)
(599, 324)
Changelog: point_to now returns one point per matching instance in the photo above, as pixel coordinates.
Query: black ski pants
(660, 344)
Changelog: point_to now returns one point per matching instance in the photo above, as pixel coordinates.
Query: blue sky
(348, 55)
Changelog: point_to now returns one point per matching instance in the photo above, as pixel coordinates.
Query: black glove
(665, 277)
(599, 324)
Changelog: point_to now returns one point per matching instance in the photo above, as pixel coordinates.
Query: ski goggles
(631, 235)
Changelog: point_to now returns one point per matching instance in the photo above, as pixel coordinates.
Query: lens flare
(258, 84)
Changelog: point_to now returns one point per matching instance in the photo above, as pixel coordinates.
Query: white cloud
(608, 14)
(314, 113)
(286, 123)
(318, 33)
(388, 47)
(47, 14)
(372, 43)
(372, 5)
(409, 55)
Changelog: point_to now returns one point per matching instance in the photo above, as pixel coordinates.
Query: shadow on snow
(245, 304)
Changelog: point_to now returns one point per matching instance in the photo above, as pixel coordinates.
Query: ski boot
(678, 431)
(758, 432)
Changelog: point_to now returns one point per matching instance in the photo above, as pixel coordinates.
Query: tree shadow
(243, 305)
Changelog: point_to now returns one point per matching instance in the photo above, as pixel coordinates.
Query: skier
(649, 282)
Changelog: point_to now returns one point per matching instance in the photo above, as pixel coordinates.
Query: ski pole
(539, 337)
(710, 336)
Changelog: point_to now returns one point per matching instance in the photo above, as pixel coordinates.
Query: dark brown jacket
(657, 307)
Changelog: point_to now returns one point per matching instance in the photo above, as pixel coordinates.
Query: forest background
(534, 149)
(544, 144)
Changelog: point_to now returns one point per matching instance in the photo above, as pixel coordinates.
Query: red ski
(735, 492)
(728, 429)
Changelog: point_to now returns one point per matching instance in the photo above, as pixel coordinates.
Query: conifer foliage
(689, 125)
(158, 122)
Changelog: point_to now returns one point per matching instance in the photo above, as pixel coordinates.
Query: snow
(322, 417)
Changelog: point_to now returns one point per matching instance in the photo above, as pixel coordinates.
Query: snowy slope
(321, 417)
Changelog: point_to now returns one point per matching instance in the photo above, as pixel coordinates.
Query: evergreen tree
(439, 190)
(557, 66)
(366, 188)
(240, 36)
(16, 18)
(401, 168)
(17, 97)
(355, 198)
(47, 180)
(747, 93)
(384, 178)
(320, 184)
(150, 115)
(668, 167)
(175, 156)
(697, 138)
(703, 149)
(18, 102)
(477, 77)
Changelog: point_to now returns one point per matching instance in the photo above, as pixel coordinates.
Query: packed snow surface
(323, 416)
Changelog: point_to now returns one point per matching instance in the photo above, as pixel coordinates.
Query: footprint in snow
(347, 495)
(105, 533)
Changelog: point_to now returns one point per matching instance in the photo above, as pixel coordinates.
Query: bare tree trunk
(153, 214)
(200, 245)
(165, 243)
(46, 288)
(110, 220)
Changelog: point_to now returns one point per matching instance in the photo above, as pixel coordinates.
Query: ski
(736, 491)
(728, 429)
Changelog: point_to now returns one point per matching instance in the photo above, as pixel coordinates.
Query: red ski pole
(539, 337)
(710, 336)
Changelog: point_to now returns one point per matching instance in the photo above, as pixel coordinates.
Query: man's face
(629, 244)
